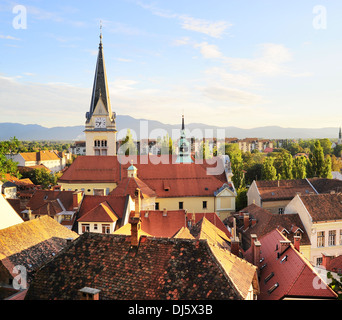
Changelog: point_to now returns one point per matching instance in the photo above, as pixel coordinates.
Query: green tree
(326, 145)
(167, 145)
(241, 198)
(235, 155)
(317, 159)
(338, 150)
(336, 284)
(326, 170)
(299, 167)
(128, 146)
(41, 177)
(269, 172)
(284, 165)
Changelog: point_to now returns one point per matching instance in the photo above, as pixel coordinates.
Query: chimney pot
(135, 230)
(87, 293)
(246, 221)
(296, 240)
(327, 260)
(235, 246)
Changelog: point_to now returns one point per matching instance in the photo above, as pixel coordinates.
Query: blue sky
(227, 63)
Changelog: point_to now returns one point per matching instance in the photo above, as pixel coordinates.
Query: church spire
(100, 86)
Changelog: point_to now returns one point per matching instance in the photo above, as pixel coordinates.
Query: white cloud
(8, 37)
(214, 29)
(209, 51)
(232, 95)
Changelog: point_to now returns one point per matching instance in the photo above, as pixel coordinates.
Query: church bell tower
(100, 126)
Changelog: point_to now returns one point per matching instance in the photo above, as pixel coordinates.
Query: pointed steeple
(339, 137)
(184, 153)
(100, 86)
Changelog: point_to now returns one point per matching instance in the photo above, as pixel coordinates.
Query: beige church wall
(191, 204)
(88, 187)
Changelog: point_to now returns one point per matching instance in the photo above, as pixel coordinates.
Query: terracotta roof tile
(101, 213)
(180, 179)
(160, 268)
(323, 185)
(266, 222)
(283, 189)
(32, 243)
(291, 271)
(116, 204)
(323, 207)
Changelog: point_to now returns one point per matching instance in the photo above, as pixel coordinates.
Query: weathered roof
(323, 185)
(283, 189)
(291, 275)
(267, 221)
(159, 269)
(32, 243)
(323, 207)
(41, 198)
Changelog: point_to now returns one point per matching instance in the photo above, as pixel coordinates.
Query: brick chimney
(87, 293)
(135, 230)
(255, 243)
(327, 260)
(296, 242)
(137, 202)
(235, 246)
(245, 221)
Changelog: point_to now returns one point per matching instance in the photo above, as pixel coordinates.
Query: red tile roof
(283, 189)
(291, 271)
(323, 185)
(323, 207)
(101, 213)
(129, 185)
(92, 204)
(44, 200)
(181, 179)
(266, 222)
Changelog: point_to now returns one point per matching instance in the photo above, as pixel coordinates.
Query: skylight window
(263, 266)
(275, 286)
(284, 259)
(269, 277)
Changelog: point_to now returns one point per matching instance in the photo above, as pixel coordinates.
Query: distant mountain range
(36, 132)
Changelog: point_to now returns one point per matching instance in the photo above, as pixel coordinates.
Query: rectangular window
(85, 228)
(281, 210)
(204, 204)
(157, 205)
(95, 226)
(105, 228)
(319, 261)
(320, 239)
(332, 238)
(180, 205)
(340, 237)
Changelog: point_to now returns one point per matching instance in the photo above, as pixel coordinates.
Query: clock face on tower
(100, 122)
